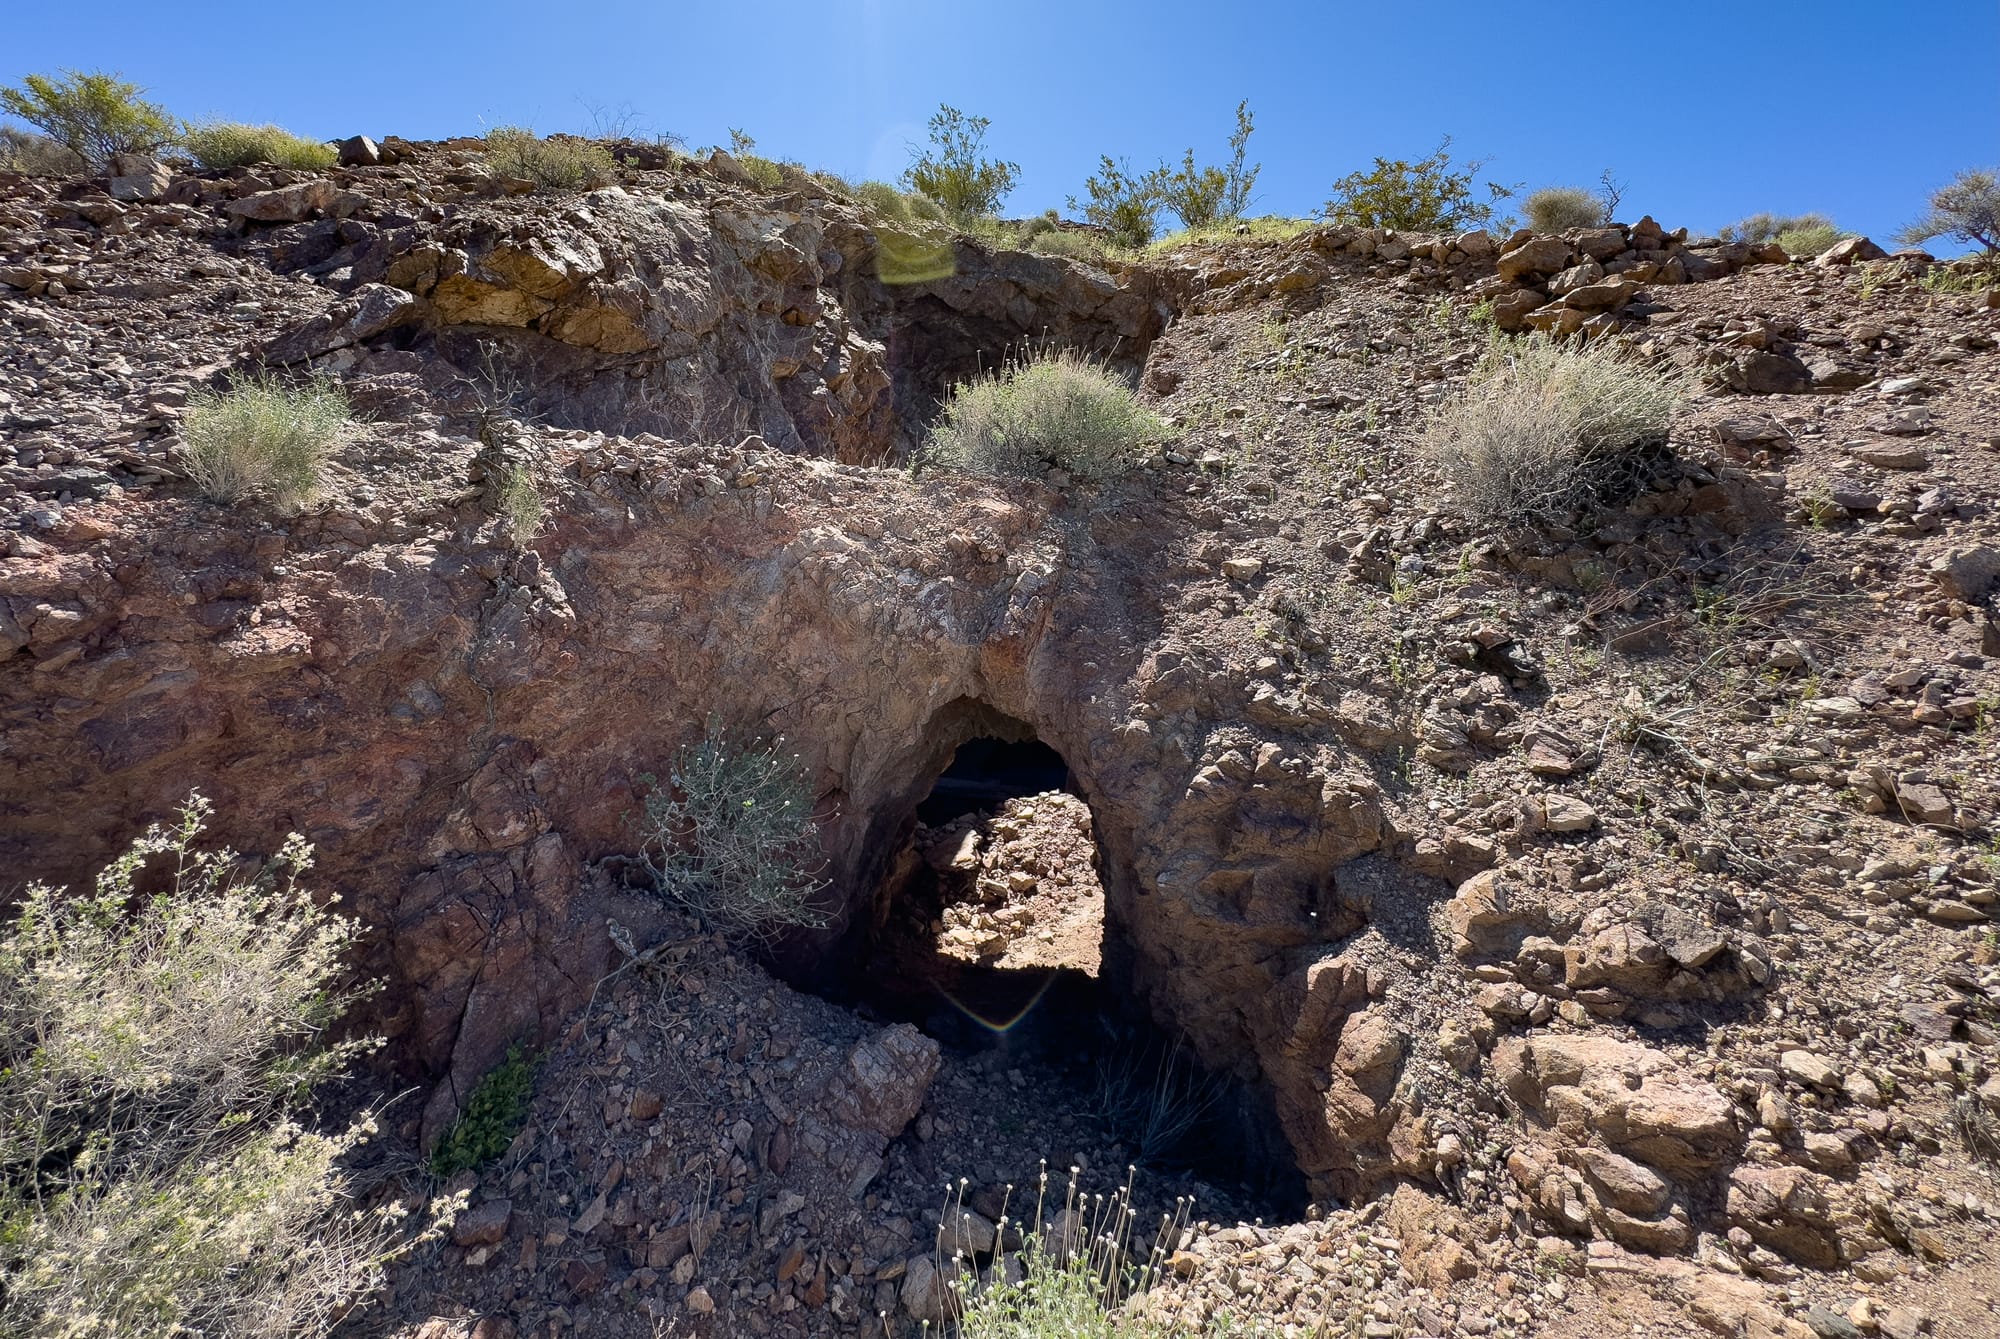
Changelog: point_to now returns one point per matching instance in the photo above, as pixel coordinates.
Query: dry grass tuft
(221, 145)
(564, 164)
(263, 438)
(1545, 427)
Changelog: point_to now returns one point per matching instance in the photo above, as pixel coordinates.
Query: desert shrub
(1758, 229)
(154, 1048)
(93, 115)
(731, 837)
(493, 1115)
(1546, 426)
(1811, 238)
(1967, 210)
(1124, 205)
(36, 155)
(262, 437)
(562, 164)
(1427, 195)
(1054, 409)
(1069, 245)
(955, 172)
(1266, 228)
(1201, 196)
(220, 145)
(1561, 208)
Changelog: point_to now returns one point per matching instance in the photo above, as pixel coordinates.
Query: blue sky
(1706, 112)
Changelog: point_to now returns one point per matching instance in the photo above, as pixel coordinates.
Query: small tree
(93, 115)
(954, 171)
(1199, 196)
(1428, 195)
(1127, 206)
(1967, 210)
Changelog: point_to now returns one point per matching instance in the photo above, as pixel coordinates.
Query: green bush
(564, 164)
(1069, 245)
(94, 116)
(1428, 195)
(1201, 196)
(1546, 426)
(1126, 206)
(1968, 210)
(731, 838)
(955, 172)
(492, 1117)
(36, 155)
(1811, 240)
(1561, 208)
(1054, 410)
(154, 1048)
(220, 145)
(263, 438)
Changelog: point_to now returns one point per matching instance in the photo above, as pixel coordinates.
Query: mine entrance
(992, 934)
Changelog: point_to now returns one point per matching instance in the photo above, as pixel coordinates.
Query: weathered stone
(1540, 256)
(358, 151)
(886, 1079)
(1762, 373)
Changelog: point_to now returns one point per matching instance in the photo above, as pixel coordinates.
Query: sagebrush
(263, 437)
(1546, 426)
(562, 163)
(156, 1051)
(1053, 409)
(220, 145)
(731, 837)
(94, 115)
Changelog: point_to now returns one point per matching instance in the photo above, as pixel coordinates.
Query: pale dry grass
(1545, 425)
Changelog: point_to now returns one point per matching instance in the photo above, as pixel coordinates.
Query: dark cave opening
(992, 931)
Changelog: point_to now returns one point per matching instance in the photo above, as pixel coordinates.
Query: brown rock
(484, 1224)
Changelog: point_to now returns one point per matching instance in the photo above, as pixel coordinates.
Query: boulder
(137, 178)
(1642, 1103)
(1604, 296)
(885, 1081)
(1849, 250)
(1538, 257)
(358, 151)
(1759, 372)
(1968, 574)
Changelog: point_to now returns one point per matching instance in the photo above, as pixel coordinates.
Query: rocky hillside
(1592, 927)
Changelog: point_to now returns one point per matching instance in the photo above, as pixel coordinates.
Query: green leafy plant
(731, 837)
(1544, 426)
(219, 145)
(93, 115)
(263, 437)
(1201, 196)
(36, 155)
(494, 1114)
(955, 172)
(1967, 210)
(743, 148)
(155, 1051)
(1054, 409)
(559, 163)
(1126, 206)
(1426, 195)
